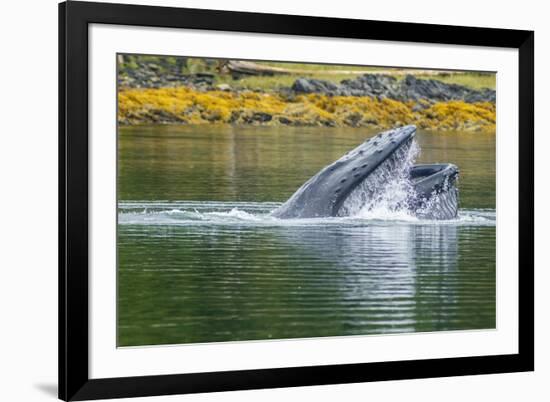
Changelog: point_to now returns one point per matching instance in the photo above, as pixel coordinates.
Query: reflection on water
(224, 270)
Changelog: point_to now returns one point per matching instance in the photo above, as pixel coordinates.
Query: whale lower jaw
(441, 206)
(435, 194)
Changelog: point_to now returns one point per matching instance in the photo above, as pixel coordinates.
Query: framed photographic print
(258, 200)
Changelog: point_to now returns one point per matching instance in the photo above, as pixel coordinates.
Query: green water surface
(200, 261)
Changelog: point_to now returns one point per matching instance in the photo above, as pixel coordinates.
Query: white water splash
(385, 192)
(257, 214)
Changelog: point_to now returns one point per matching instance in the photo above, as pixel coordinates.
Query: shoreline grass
(329, 72)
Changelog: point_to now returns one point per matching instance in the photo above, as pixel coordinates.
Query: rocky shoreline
(409, 88)
(162, 93)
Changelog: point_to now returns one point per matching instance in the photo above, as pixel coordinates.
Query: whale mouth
(435, 193)
(388, 186)
(398, 186)
(383, 152)
(422, 173)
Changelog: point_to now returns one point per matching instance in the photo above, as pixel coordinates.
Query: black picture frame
(74, 381)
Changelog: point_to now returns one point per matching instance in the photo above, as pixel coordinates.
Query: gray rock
(284, 120)
(223, 87)
(384, 86)
(261, 117)
(310, 85)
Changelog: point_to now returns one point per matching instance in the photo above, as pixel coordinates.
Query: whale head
(325, 193)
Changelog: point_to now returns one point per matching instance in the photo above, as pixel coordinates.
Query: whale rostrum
(361, 177)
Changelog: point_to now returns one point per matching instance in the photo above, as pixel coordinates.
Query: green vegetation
(475, 80)
(472, 80)
(320, 67)
(275, 82)
(328, 72)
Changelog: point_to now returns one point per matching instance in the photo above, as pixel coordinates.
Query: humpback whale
(364, 176)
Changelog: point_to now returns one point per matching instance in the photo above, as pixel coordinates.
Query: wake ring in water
(257, 214)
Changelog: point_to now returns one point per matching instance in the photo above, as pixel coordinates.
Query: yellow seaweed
(188, 106)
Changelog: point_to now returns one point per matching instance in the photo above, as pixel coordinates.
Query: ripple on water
(258, 214)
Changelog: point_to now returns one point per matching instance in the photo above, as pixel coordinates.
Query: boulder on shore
(409, 88)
